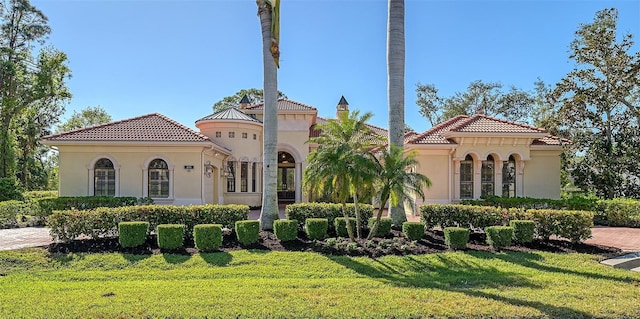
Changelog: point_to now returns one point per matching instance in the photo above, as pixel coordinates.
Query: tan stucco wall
(75, 162)
(434, 164)
(541, 176)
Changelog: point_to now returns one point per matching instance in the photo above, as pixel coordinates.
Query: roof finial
(343, 106)
(244, 102)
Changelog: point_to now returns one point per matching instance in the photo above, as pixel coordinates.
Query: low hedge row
(618, 212)
(68, 224)
(302, 211)
(50, 204)
(570, 203)
(573, 225)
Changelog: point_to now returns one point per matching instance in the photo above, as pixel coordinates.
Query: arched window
(104, 178)
(231, 176)
(466, 178)
(158, 179)
(488, 177)
(509, 178)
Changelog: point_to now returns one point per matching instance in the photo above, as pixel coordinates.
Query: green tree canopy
(598, 104)
(481, 97)
(89, 116)
(255, 96)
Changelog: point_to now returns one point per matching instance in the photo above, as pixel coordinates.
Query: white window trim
(91, 172)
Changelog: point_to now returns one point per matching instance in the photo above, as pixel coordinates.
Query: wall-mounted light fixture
(208, 169)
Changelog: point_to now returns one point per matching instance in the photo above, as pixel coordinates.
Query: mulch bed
(395, 244)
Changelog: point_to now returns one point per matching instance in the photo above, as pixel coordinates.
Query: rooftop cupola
(343, 106)
(244, 102)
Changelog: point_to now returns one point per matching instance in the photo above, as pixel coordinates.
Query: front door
(286, 178)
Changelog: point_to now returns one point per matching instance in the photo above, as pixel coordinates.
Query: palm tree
(343, 161)
(395, 84)
(397, 181)
(269, 211)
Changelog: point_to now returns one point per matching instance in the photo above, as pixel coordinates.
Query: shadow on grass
(217, 259)
(455, 274)
(173, 258)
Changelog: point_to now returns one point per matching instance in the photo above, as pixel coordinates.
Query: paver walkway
(627, 239)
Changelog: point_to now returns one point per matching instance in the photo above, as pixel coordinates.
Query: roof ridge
(437, 127)
(100, 125)
(254, 106)
(475, 117)
(182, 126)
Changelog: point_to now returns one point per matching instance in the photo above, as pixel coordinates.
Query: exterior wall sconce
(208, 169)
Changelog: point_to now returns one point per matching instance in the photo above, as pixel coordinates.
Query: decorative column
(298, 182)
(456, 180)
(520, 178)
(477, 178)
(498, 178)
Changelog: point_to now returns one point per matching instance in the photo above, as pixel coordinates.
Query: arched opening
(104, 178)
(487, 177)
(466, 178)
(158, 180)
(286, 178)
(509, 177)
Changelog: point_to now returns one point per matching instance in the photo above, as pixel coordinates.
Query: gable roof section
(480, 123)
(153, 127)
(229, 114)
(314, 131)
(285, 105)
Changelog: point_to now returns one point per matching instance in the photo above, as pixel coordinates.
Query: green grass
(257, 284)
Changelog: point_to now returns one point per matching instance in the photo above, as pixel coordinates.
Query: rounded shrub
(170, 236)
(285, 229)
(248, 231)
(523, 230)
(341, 226)
(456, 237)
(316, 228)
(413, 230)
(384, 228)
(132, 234)
(499, 237)
(207, 237)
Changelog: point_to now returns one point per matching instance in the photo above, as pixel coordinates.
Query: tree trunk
(269, 211)
(395, 86)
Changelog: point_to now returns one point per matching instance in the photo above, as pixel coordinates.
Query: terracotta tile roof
(231, 114)
(314, 132)
(409, 136)
(433, 135)
(146, 128)
(285, 105)
(480, 123)
(551, 140)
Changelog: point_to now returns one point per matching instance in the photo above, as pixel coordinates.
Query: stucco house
(154, 156)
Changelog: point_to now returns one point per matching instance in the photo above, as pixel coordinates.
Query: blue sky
(179, 57)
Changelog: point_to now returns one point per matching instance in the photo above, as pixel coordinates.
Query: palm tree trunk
(395, 87)
(357, 212)
(376, 224)
(269, 211)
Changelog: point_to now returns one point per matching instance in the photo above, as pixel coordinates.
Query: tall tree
(480, 97)
(343, 161)
(26, 81)
(268, 11)
(89, 116)
(600, 102)
(255, 96)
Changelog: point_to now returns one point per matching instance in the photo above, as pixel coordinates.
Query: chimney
(244, 102)
(343, 106)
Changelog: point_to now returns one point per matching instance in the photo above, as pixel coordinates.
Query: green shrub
(456, 237)
(316, 228)
(523, 230)
(384, 229)
(573, 225)
(570, 203)
(248, 231)
(285, 229)
(302, 211)
(413, 230)
(50, 204)
(618, 212)
(132, 234)
(207, 237)
(340, 226)
(31, 195)
(499, 237)
(170, 236)
(11, 210)
(10, 189)
(103, 222)
(465, 216)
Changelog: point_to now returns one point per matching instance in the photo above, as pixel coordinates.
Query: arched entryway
(286, 178)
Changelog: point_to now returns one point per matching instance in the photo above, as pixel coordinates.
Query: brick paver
(24, 237)
(627, 239)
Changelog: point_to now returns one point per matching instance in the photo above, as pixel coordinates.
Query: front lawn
(258, 284)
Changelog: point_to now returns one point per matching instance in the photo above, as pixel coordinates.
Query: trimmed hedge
(499, 237)
(50, 204)
(132, 234)
(30, 195)
(618, 212)
(523, 230)
(413, 230)
(571, 203)
(285, 230)
(170, 236)
(340, 225)
(456, 237)
(248, 231)
(573, 225)
(69, 224)
(10, 211)
(384, 229)
(302, 211)
(316, 228)
(207, 237)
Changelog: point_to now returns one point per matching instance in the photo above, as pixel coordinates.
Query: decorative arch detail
(91, 174)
